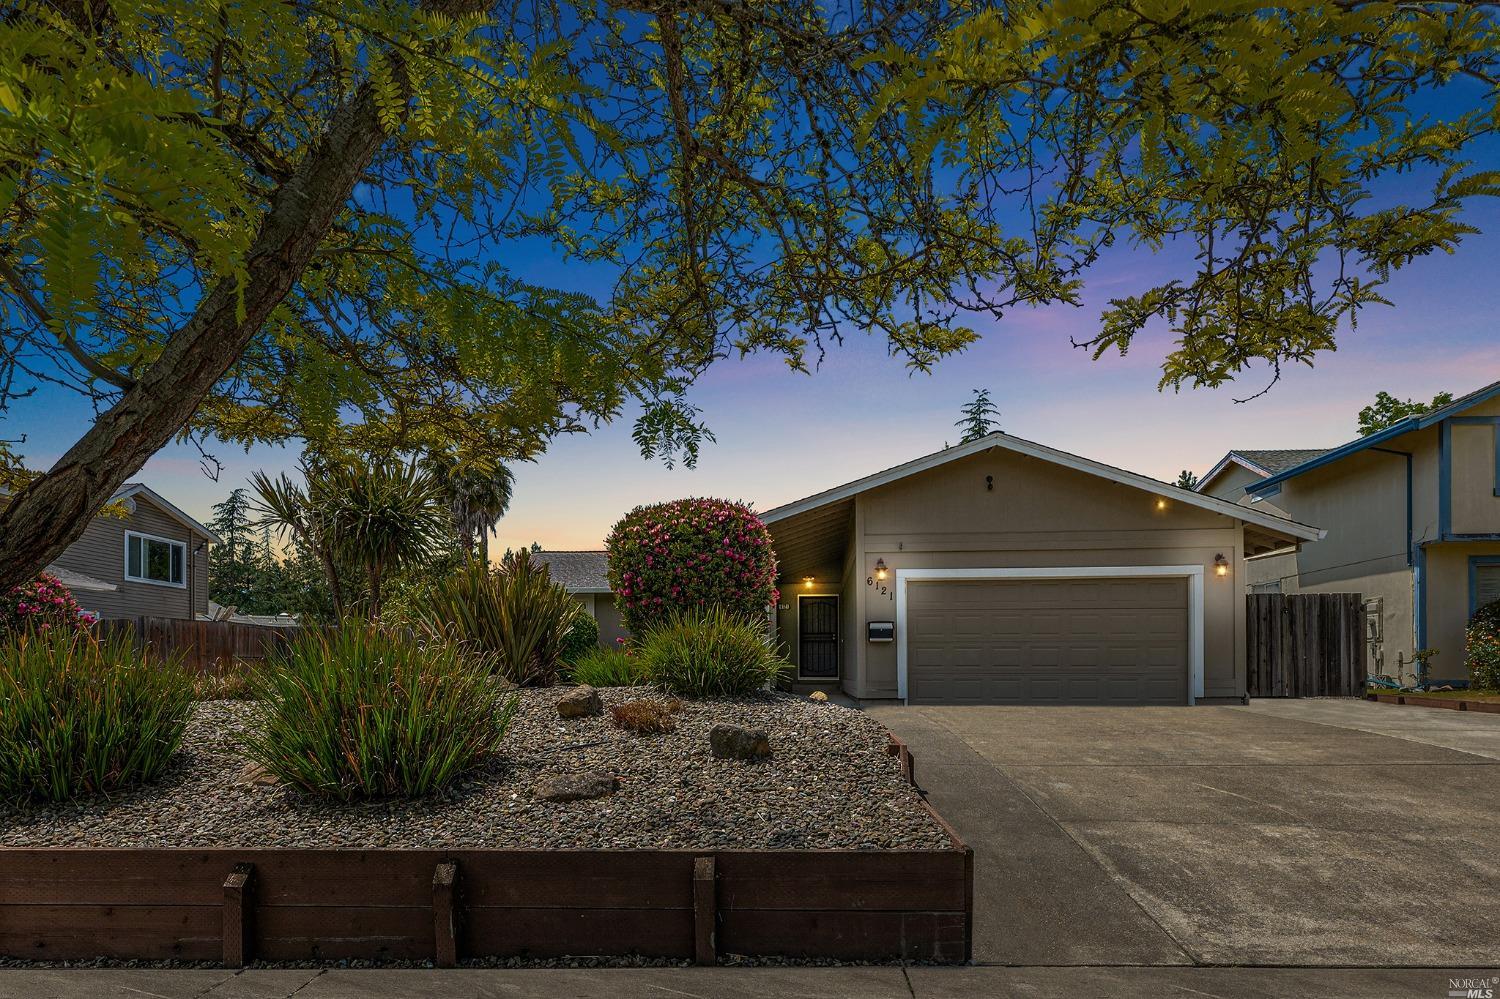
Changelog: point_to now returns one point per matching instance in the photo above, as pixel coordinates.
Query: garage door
(1076, 641)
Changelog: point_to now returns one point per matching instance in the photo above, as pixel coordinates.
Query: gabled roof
(1290, 528)
(132, 489)
(577, 572)
(1262, 462)
(1402, 426)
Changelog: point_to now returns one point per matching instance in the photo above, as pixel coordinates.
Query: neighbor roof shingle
(1279, 460)
(578, 572)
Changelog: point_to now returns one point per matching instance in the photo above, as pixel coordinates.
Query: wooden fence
(1305, 644)
(207, 646)
(238, 905)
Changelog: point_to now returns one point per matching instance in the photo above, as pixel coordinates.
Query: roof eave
(1292, 528)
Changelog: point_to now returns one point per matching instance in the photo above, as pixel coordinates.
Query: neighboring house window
(1484, 581)
(149, 559)
(1274, 586)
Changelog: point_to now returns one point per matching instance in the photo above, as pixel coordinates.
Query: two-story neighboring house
(153, 561)
(1413, 520)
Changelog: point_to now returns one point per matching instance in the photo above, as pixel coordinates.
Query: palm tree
(369, 515)
(477, 492)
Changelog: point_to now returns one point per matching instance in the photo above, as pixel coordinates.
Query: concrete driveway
(1297, 833)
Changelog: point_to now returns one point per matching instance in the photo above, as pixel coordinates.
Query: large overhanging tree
(272, 220)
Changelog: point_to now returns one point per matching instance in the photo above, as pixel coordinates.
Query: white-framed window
(150, 559)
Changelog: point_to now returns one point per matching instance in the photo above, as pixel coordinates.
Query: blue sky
(783, 435)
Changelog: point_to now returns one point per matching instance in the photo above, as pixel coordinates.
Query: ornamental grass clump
(515, 616)
(711, 654)
(364, 712)
(83, 715)
(607, 668)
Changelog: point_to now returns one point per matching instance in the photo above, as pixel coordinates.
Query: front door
(818, 631)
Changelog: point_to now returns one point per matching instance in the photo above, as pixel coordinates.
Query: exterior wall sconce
(880, 568)
(807, 582)
(1221, 565)
(1161, 504)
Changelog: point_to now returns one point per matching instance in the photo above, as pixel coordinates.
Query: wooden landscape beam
(239, 915)
(705, 912)
(445, 914)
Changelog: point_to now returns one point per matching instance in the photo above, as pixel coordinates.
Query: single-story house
(1003, 571)
(1413, 524)
(152, 561)
(586, 575)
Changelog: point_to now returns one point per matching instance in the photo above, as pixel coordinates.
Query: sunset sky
(783, 435)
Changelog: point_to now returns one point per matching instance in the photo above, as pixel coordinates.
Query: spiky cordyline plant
(516, 614)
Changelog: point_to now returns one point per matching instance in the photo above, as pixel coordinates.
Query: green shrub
(713, 654)
(363, 712)
(690, 555)
(607, 668)
(1488, 616)
(84, 715)
(39, 605)
(581, 639)
(515, 615)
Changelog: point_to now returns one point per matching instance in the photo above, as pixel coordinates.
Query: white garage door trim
(1192, 573)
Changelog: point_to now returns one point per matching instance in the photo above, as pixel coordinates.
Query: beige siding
(100, 553)
(1476, 507)
(1040, 514)
(1448, 602)
(1230, 485)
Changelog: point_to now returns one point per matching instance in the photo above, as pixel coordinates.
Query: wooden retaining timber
(1451, 703)
(235, 906)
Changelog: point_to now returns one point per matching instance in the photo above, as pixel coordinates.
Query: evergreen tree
(980, 417)
(1187, 479)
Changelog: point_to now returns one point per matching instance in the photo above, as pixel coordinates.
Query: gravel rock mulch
(828, 785)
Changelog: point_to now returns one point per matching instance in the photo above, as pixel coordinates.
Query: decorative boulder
(577, 787)
(580, 702)
(256, 775)
(735, 742)
(818, 696)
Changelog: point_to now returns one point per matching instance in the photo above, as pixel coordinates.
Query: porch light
(1161, 503)
(1221, 565)
(807, 582)
(880, 568)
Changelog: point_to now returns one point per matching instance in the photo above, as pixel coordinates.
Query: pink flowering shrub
(687, 556)
(42, 604)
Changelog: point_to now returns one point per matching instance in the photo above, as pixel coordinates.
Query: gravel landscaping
(828, 784)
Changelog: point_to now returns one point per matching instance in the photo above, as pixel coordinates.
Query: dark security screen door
(819, 628)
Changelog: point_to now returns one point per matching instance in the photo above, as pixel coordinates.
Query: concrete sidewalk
(752, 983)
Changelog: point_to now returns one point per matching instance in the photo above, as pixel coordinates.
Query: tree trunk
(55, 508)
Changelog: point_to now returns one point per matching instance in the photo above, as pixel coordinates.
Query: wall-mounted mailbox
(882, 631)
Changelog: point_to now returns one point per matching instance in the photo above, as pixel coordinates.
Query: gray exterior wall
(100, 553)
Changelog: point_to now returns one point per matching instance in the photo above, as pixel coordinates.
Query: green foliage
(361, 518)
(752, 178)
(581, 639)
(1387, 410)
(81, 715)
(514, 615)
(1250, 138)
(690, 554)
(980, 418)
(363, 712)
(709, 654)
(1482, 641)
(477, 491)
(607, 668)
(1187, 479)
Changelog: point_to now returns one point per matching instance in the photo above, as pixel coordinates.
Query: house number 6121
(880, 588)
